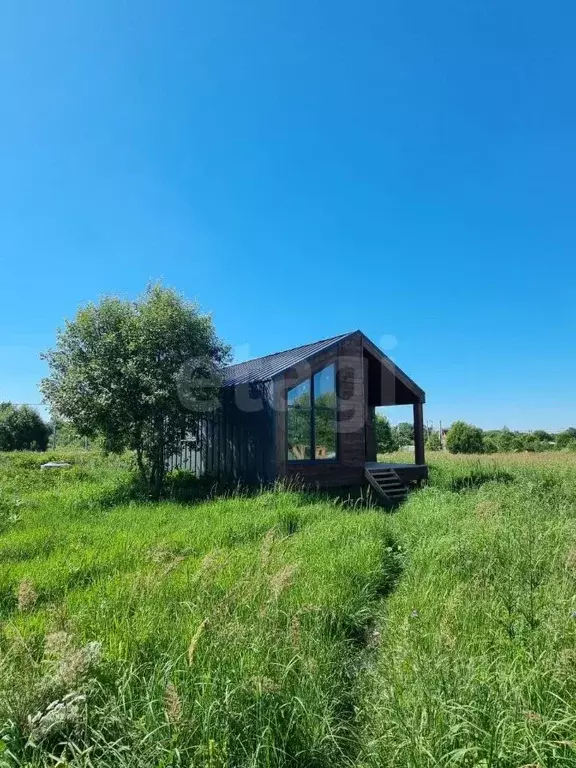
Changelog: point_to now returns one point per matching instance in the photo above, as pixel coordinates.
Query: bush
(385, 439)
(490, 445)
(22, 429)
(564, 439)
(465, 438)
(433, 443)
(404, 433)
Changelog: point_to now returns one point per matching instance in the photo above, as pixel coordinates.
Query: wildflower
(26, 595)
(65, 711)
(172, 704)
(414, 614)
(194, 641)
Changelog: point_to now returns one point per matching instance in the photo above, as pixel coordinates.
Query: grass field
(283, 629)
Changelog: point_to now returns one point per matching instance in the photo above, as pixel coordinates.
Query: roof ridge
(290, 349)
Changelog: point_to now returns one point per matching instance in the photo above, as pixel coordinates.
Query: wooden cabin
(308, 413)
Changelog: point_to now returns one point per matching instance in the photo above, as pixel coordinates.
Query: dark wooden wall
(234, 442)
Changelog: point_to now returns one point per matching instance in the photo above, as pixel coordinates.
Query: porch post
(419, 457)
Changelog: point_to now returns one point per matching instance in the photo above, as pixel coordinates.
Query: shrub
(404, 433)
(385, 439)
(21, 429)
(564, 438)
(490, 445)
(433, 443)
(465, 438)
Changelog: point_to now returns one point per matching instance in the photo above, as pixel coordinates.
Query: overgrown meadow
(228, 632)
(287, 629)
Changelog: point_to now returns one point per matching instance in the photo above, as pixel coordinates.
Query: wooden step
(388, 486)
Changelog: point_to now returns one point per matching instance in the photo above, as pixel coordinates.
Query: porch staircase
(387, 485)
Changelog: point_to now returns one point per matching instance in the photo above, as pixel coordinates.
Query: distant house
(309, 413)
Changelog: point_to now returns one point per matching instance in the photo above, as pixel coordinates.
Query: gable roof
(265, 368)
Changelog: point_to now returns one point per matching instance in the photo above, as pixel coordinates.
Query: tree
(490, 445)
(433, 443)
(131, 372)
(464, 438)
(404, 433)
(563, 439)
(507, 441)
(22, 429)
(385, 438)
(542, 436)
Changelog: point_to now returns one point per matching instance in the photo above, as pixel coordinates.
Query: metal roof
(265, 368)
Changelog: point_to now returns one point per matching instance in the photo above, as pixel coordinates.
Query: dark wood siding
(234, 442)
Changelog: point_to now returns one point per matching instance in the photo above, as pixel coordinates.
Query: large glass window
(325, 414)
(300, 422)
(311, 418)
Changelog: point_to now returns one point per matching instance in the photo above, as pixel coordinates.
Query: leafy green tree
(22, 429)
(490, 445)
(404, 433)
(433, 443)
(563, 439)
(385, 438)
(464, 438)
(507, 441)
(132, 370)
(542, 436)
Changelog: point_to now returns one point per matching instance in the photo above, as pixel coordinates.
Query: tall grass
(283, 629)
(477, 665)
(226, 633)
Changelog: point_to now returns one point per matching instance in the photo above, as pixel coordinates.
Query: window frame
(314, 460)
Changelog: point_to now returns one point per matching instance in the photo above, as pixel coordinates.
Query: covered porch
(386, 385)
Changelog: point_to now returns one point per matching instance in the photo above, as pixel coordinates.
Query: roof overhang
(396, 388)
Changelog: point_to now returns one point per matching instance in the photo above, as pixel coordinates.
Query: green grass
(477, 664)
(284, 629)
(229, 632)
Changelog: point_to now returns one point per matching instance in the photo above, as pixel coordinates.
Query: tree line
(467, 438)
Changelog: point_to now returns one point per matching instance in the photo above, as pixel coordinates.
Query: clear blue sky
(303, 169)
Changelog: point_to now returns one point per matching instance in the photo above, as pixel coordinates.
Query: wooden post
(419, 457)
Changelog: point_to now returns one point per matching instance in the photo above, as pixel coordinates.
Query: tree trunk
(140, 464)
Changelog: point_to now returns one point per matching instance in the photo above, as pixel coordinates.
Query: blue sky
(303, 169)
